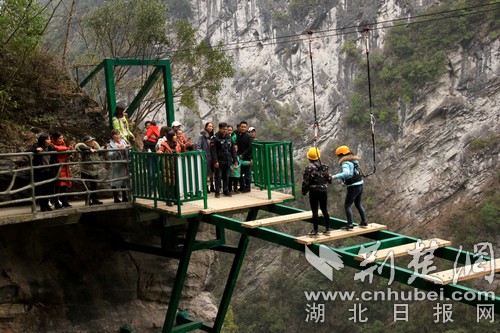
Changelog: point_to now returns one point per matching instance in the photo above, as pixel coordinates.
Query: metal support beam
(109, 75)
(385, 270)
(180, 278)
(231, 283)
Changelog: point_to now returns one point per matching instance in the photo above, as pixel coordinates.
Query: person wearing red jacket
(152, 135)
(62, 184)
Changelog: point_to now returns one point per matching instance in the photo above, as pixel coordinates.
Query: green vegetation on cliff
(415, 56)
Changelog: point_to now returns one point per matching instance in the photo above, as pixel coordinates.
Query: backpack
(319, 174)
(357, 175)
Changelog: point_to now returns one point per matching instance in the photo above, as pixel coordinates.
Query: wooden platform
(464, 273)
(237, 202)
(279, 219)
(339, 234)
(402, 250)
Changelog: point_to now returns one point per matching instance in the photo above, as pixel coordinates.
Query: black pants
(45, 189)
(354, 194)
(233, 183)
(92, 186)
(222, 174)
(320, 199)
(246, 178)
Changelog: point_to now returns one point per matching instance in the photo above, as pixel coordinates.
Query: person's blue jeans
(354, 195)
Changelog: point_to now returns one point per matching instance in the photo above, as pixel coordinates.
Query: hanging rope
(372, 117)
(316, 125)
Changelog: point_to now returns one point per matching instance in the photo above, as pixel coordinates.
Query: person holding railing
(90, 153)
(170, 146)
(119, 171)
(43, 173)
(204, 145)
(62, 186)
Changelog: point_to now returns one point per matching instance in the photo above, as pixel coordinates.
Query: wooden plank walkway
(339, 234)
(237, 202)
(279, 219)
(402, 250)
(464, 273)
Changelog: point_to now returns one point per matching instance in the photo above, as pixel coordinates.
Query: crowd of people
(228, 159)
(228, 155)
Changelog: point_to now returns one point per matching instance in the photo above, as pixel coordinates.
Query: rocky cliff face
(80, 277)
(430, 166)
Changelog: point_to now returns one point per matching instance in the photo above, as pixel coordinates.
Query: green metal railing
(169, 178)
(273, 166)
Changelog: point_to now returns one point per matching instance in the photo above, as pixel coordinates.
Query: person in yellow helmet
(352, 177)
(315, 181)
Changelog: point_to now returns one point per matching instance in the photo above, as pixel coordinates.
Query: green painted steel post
(169, 95)
(109, 75)
(231, 283)
(180, 278)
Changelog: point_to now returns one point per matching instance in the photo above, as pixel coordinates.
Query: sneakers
(95, 202)
(228, 194)
(363, 224)
(326, 232)
(170, 203)
(347, 227)
(313, 233)
(217, 195)
(66, 205)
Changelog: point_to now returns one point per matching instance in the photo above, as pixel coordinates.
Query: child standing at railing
(235, 173)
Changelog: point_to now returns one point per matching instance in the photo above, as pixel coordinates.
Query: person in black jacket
(223, 155)
(44, 169)
(315, 181)
(244, 141)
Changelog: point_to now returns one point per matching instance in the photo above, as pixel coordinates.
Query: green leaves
(128, 29)
(139, 29)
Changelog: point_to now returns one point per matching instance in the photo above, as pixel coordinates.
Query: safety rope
(316, 125)
(372, 117)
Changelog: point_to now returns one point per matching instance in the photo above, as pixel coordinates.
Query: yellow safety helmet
(313, 154)
(342, 150)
